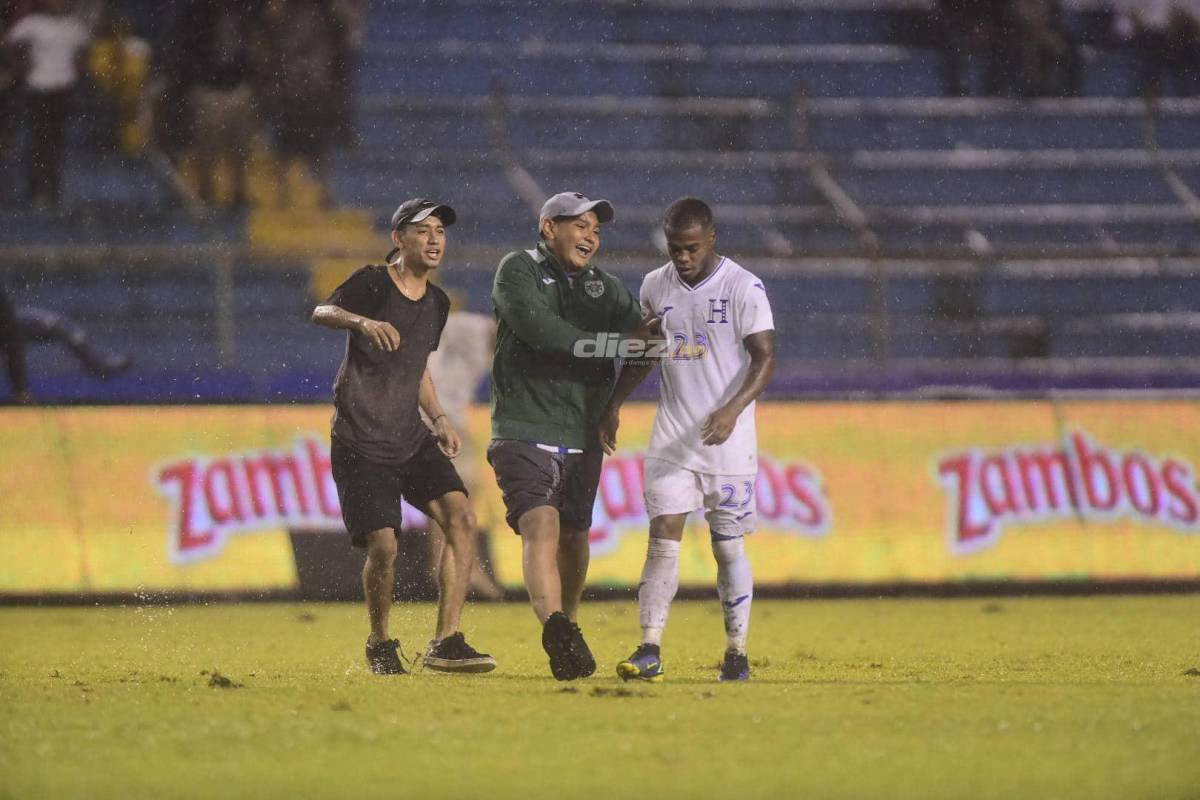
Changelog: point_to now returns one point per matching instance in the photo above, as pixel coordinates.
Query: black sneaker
(583, 656)
(453, 654)
(384, 658)
(558, 640)
(735, 667)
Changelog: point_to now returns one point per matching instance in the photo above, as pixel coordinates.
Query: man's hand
(448, 438)
(719, 425)
(608, 430)
(380, 334)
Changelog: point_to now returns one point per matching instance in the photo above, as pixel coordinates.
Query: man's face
(691, 250)
(573, 240)
(421, 243)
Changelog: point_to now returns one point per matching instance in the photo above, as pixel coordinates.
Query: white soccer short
(728, 501)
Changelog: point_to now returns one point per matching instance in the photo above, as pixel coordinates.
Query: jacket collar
(551, 262)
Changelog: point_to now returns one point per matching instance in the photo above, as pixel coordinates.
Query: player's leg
(452, 513)
(539, 560)
(449, 651)
(671, 494)
(730, 509)
(574, 555)
(379, 582)
(581, 480)
(369, 494)
(433, 485)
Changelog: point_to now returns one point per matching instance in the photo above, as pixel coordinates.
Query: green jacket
(541, 391)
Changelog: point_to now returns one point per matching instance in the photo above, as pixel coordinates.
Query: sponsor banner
(211, 498)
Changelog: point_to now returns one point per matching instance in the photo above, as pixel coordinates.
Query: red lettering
(1041, 470)
(186, 538)
(812, 513)
(322, 470)
(228, 508)
(769, 473)
(274, 467)
(959, 469)
(1089, 462)
(1181, 486)
(618, 474)
(1144, 494)
(995, 468)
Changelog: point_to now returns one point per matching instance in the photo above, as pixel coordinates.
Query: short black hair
(687, 212)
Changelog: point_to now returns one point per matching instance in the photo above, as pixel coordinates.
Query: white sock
(660, 579)
(735, 588)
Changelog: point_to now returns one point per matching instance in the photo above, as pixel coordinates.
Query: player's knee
(727, 548)
(461, 522)
(381, 547)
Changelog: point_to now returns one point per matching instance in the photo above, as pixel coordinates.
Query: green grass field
(983, 698)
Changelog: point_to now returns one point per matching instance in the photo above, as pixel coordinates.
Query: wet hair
(687, 212)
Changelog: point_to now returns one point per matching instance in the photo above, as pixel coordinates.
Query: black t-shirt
(376, 393)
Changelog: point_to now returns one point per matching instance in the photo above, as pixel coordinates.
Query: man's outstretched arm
(380, 334)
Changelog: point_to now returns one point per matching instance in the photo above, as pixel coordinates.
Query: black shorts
(370, 491)
(530, 477)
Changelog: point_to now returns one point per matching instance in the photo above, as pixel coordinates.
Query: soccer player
(703, 448)
(381, 449)
(549, 387)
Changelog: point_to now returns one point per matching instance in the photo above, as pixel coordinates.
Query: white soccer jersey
(706, 363)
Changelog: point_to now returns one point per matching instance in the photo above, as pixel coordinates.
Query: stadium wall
(238, 500)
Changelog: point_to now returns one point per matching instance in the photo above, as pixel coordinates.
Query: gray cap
(418, 208)
(572, 204)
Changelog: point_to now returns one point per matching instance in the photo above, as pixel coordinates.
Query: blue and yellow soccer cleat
(735, 667)
(644, 665)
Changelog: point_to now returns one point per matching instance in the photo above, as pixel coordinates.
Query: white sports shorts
(728, 500)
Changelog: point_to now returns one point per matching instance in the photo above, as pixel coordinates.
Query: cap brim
(604, 210)
(444, 213)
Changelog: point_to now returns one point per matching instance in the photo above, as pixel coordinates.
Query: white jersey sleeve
(753, 308)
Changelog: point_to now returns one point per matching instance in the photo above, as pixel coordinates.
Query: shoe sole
(470, 666)
(628, 671)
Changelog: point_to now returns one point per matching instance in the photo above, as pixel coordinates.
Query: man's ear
(396, 237)
(547, 228)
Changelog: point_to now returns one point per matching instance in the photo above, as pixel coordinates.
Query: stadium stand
(912, 242)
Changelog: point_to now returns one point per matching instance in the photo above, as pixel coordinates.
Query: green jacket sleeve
(520, 304)
(627, 314)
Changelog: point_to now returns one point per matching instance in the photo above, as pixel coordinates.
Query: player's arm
(633, 372)
(448, 438)
(719, 425)
(644, 324)
(380, 334)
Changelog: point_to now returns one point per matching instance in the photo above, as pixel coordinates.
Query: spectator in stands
(351, 18)
(296, 51)
(213, 40)
(119, 65)
(1166, 36)
(50, 45)
(14, 350)
(1029, 53)
(1041, 59)
(963, 27)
